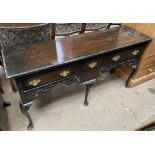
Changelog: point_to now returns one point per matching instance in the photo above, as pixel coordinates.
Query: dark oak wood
(15, 34)
(21, 60)
(83, 28)
(24, 109)
(39, 67)
(88, 85)
(53, 30)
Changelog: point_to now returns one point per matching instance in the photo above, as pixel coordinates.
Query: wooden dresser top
(21, 60)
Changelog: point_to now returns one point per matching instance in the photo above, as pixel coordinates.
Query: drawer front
(145, 71)
(89, 75)
(89, 69)
(91, 64)
(46, 77)
(124, 54)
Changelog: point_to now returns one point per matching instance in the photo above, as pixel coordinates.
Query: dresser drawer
(89, 69)
(91, 64)
(89, 75)
(124, 54)
(45, 77)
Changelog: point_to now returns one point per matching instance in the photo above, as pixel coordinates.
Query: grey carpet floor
(112, 107)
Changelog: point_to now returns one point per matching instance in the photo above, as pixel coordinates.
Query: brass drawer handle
(65, 73)
(135, 52)
(116, 58)
(34, 82)
(92, 65)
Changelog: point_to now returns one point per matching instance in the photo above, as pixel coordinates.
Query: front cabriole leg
(24, 108)
(131, 76)
(88, 85)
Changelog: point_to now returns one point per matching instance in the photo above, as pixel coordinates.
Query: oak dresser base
(39, 67)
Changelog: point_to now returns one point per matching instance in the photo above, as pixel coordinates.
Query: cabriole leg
(88, 85)
(130, 76)
(24, 108)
